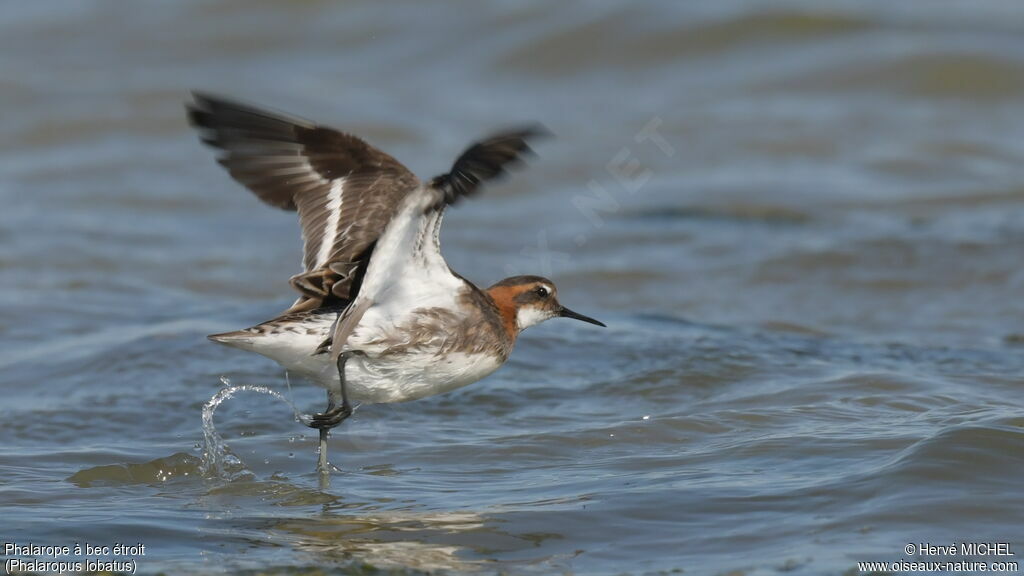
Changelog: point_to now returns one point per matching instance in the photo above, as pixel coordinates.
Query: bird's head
(528, 300)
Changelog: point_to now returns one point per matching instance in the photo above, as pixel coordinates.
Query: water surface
(803, 223)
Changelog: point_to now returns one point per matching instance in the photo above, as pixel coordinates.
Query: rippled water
(803, 223)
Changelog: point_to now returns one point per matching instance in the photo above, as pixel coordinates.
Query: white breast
(402, 378)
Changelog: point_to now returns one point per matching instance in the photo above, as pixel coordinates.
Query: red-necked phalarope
(380, 317)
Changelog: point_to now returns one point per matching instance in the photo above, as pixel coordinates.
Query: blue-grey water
(803, 223)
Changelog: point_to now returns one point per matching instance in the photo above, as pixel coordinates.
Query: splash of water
(218, 461)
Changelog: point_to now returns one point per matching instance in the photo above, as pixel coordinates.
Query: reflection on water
(426, 541)
(814, 342)
(344, 531)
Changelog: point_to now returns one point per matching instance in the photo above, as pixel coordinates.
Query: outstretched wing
(344, 190)
(484, 160)
(407, 267)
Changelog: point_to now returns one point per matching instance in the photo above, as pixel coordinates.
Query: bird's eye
(542, 291)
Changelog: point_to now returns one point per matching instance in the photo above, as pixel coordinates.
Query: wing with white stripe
(344, 190)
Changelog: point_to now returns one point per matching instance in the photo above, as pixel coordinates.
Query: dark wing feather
(344, 190)
(485, 160)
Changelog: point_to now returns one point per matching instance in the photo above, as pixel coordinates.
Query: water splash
(218, 460)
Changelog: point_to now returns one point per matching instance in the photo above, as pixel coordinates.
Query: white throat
(529, 316)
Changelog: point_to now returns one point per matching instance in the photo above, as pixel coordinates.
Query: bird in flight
(380, 317)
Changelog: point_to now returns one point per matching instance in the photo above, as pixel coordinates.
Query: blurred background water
(802, 221)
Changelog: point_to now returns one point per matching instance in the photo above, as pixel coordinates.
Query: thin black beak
(566, 313)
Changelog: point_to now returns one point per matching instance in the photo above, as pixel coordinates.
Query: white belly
(400, 378)
(378, 375)
(396, 377)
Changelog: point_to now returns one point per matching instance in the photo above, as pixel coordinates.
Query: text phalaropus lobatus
(380, 317)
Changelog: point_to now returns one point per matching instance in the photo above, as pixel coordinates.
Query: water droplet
(216, 458)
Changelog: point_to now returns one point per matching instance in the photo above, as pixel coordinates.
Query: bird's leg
(334, 414)
(321, 461)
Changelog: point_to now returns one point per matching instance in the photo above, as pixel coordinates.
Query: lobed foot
(331, 418)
